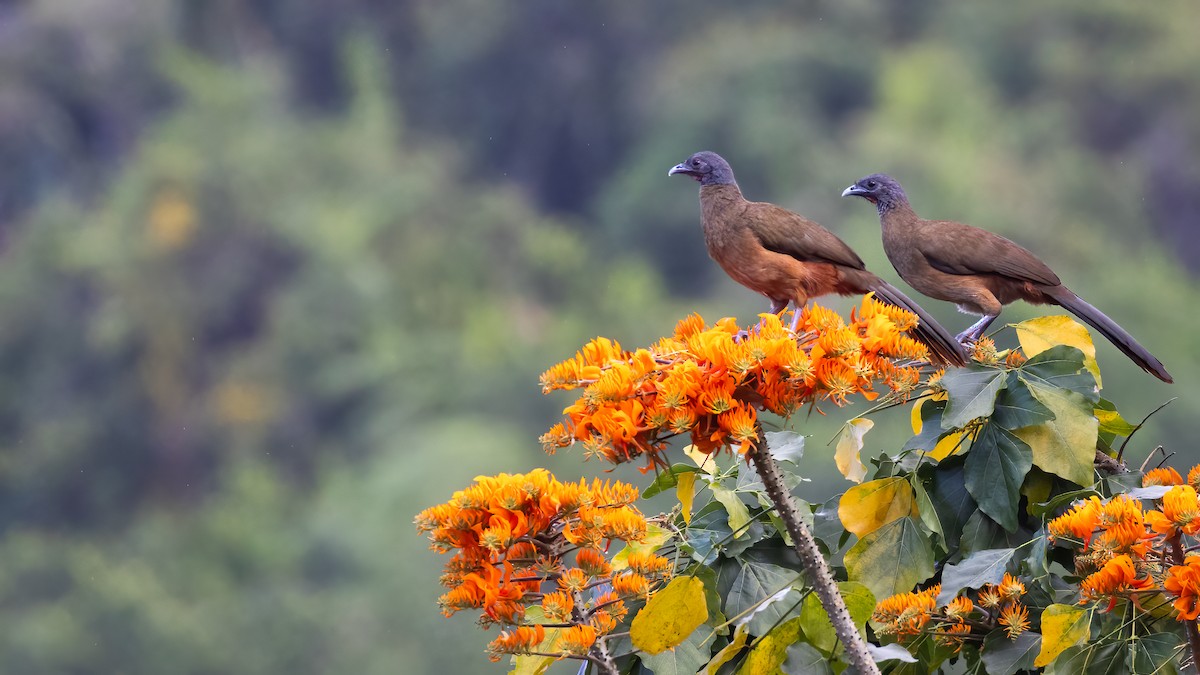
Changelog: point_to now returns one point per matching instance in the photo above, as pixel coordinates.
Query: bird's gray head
(708, 168)
(880, 189)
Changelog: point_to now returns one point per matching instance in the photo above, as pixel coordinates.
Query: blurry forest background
(277, 275)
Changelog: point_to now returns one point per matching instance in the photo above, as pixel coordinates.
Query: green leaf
(1063, 626)
(708, 531)
(771, 650)
(925, 508)
(1111, 422)
(948, 492)
(1060, 368)
(931, 427)
(656, 536)
(1016, 407)
(754, 583)
(1154, 653)
(728, 651)
(1003, 656)
(804, 659)
(1091, 659)
(1066, 445)
(818, 629)
(739, 515)
(850, 443)
(994, 471)
(975, 570)
(892, 559)
(1060, 501)
(785, 446)
(670, 616)
(982, 533)
(972, 393)
(687, 658)
(667, 479)
(783, 606)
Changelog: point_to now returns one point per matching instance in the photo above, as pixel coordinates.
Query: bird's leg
(796, 317)
(976, 330)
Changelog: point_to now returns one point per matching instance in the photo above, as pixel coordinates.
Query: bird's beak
(854, 191)
(679, 168)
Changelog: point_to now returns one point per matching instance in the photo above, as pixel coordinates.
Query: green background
(275, 276)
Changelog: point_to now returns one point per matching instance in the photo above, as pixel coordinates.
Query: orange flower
(989, 597)
(592, 562)
(1163, 475)
(578, 640)
(1011, 588)
(520, 640)
(557, 606)
(573, 581)
(1015, 619)
(648, 564)
(631, 584)
(905, 614)
(1117, 578)
(1180, 511)
(1193, 478)
(1183, 581)
(1080, 522)
(954, 635)
(959, 608)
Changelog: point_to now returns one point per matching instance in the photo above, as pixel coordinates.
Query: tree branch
(817, 570)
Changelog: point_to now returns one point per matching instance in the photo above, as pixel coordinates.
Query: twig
(815, 566)
(1121, 451)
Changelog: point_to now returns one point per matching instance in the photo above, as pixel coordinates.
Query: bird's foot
(741, 335)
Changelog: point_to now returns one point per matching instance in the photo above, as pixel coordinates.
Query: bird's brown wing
(955, 248)
(791, 234)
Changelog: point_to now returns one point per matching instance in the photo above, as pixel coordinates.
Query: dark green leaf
(994, 471)
(948, 492)
(1061, 501)
(975, 570)
(754, 583)
(931, 427)
(1003, 656)
(1061, 367)
(687, 658)
(785, 446)
(972, 393)
(804, 659)
(1154, 653)
(1016, 406)
(708, 531)
(925, 507)
(668, 479)
(892, 559)
(981, 533)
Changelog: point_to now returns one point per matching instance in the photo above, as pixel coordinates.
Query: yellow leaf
(685, 490)
(950, 444)
(848, 446)
(771, 650)
(702, 460)
(729, 651)
(915, 417)
(656, 536)
(1038, 335)
(530, 664)
(1063, 627)
(868, 507)
(670, 616)
(739, 515)
(1066, 445)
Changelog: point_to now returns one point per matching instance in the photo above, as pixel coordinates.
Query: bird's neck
(719, 206)
(896, 212)
(724, 193)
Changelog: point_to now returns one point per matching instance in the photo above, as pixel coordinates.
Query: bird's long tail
(1093, 317)
(943, 348)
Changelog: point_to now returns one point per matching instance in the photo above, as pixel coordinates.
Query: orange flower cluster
(710, 382)
(1126, 549)
(514, 537)
(908, 615)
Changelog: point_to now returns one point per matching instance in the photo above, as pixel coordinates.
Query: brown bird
(977, 270)
(789, 258)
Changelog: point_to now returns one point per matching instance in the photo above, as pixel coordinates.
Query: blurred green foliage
(276, 276)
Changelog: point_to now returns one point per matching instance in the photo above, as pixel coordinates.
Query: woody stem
(817, 570)
(1193, 635)
(599, 653)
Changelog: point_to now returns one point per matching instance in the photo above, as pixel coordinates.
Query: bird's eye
(871, 184)
(695, 162)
